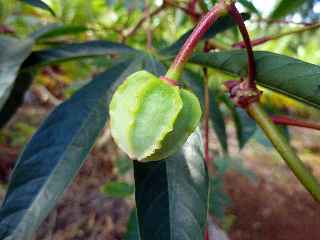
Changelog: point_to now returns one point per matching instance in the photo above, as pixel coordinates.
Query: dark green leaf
(195, 82)
(221, 25)
(286, 75)
(15, 100)
(218, 123)
(13, 53)
(172, 194)
(39, 4)
(286, 7)
(55, 154)
(46, 57)
(73, 51)
(132, 227)
(245, 125)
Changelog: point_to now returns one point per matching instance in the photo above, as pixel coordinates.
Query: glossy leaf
(172, 194)
(286, 7)
(39, 4)
(55, 153)
(286, 75)
(221, 25)
(13, 53)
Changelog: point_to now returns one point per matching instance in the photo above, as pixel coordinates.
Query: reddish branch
(284, 120)
(265, 39)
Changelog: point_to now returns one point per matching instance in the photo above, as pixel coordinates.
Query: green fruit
(151, 119)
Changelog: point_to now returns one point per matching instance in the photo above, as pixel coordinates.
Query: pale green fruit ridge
(186, 122)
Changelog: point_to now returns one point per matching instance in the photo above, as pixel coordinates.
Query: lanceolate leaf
(286, 75)
(219, 26)
(39, 4)
(73, 51)
(49, 56)
(172, 194)
(13, 53)
(55, 154)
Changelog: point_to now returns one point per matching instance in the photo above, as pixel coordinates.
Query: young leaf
(286, 75)
(172, 194)
(13, 53)
(39, 4)
(55, 153)
(286, 7)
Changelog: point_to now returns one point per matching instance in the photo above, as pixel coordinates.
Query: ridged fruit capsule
(151, 119)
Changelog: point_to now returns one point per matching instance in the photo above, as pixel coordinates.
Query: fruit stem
(205, 23)
(285, 150)
(233, 11)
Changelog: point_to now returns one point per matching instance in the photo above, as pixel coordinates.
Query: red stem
(202, 27)
(233, 11)
(284, 120)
